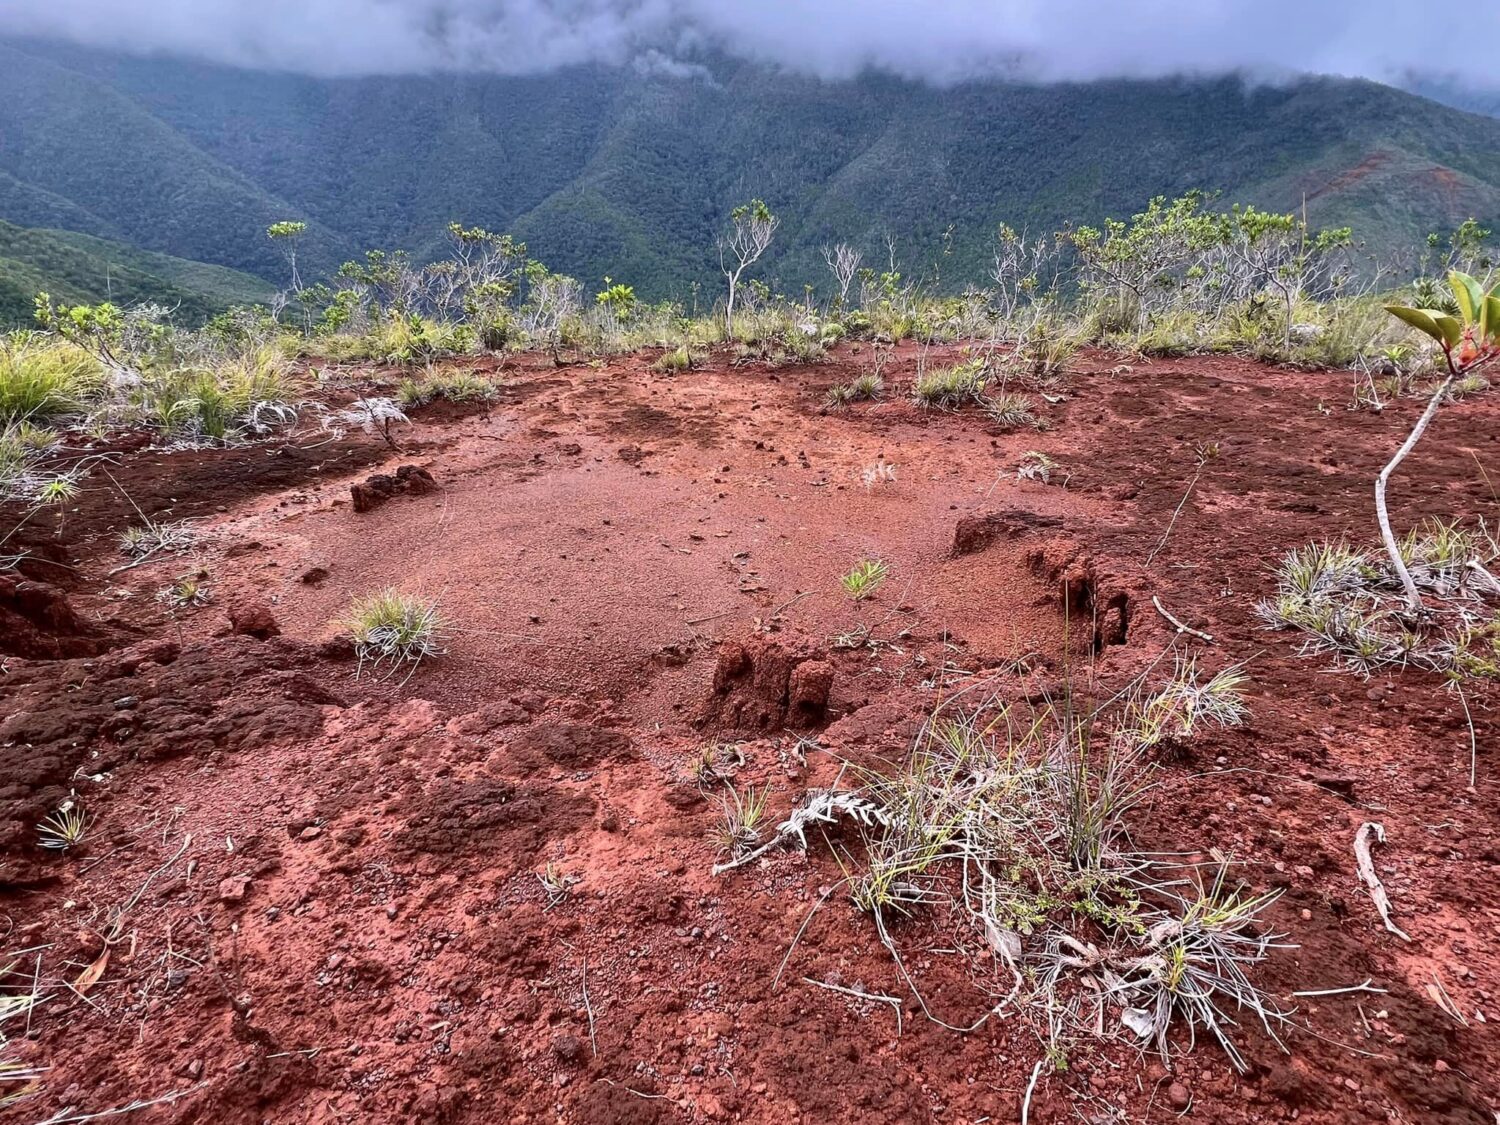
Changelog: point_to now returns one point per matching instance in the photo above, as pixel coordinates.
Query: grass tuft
(863, 580)
(393, 628)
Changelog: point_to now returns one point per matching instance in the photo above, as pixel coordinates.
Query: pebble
(234, 888)
(1179, 1096)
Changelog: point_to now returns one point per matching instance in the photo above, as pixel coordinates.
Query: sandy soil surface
(308, 896)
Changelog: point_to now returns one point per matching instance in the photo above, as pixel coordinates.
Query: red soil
(330, 906)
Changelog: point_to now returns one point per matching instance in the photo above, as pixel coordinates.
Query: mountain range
(630, 172)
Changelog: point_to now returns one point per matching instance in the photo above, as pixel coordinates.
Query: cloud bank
(936, 40)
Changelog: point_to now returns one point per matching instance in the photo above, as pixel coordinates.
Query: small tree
(1468, 342)
(751, 227)
(843, 262)
(287, 235)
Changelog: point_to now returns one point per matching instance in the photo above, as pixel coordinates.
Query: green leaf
(1430, 321)
(1451, 327)
(1469, 295)
(1491, 319)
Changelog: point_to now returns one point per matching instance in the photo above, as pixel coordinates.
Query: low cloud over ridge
(936, 40)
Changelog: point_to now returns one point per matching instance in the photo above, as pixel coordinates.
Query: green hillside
(607, 171)
(77, 267)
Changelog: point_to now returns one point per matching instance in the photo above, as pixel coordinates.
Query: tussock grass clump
(247, 395)
(862, 388)
(863, 580)
(744, 817)
(393, 628)
(63, 828)
(43, 379)
(677, 359)
(461, 385)
(1011, 410)
(143, 539)
(1347, 603)
(1036, 465)
(948, 388)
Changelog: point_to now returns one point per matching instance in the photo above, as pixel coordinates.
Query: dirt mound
(764, 683)
(376, 490)
(488, 817)
(38, 621)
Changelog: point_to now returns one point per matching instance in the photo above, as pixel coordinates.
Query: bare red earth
(326, 887)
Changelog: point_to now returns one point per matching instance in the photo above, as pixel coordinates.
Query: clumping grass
(744, 815)
(718, 762)
(1009, 824)
(677, 359)
(248, 395)
(140, 540)
(64, 827)
(393, 628)
(187, 592)
(862, 581)
(1348, 605)
(1012, 410)
(557, 884)
(862, 388)
(1187, 702)
(1036, 466)
(948, 388)
(46, 379)
(459, 385)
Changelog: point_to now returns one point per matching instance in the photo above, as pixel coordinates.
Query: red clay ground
(327, 888)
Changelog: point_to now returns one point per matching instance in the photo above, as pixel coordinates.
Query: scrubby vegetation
(1013, 819)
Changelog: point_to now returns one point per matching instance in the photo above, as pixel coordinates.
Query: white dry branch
(820, 808)
(1367, 875)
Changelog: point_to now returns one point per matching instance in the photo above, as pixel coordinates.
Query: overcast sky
(940, 40)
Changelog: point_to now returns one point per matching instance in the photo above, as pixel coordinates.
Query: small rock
(566, 1047)
(1179, 1096)
(233, 889)
(311, 832)
(254, 619)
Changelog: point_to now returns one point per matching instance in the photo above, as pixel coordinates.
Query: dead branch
(1367, 874)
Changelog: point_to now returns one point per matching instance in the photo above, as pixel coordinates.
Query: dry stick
(1367, 986)
(637, 1093)
(589, 1008)
(1181, 628)
(893, 1001)
(1177, 512)
(1473, 741)
(1036, 1072)
(1367, 874)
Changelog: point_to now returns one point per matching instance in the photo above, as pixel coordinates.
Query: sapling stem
(1388, 537)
